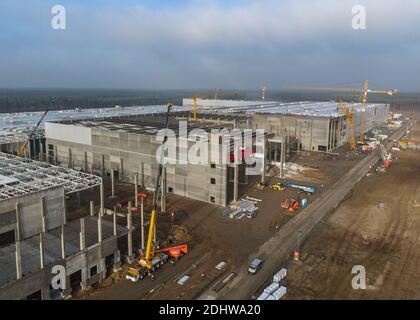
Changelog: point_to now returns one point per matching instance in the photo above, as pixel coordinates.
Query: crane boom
(25, 144)
(363, 97)
(150, 249)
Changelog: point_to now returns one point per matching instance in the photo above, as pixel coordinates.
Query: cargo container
(272, 288)
(280, 275)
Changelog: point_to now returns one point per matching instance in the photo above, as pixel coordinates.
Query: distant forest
(20, 100)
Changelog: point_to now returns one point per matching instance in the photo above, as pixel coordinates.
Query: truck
(136, 271)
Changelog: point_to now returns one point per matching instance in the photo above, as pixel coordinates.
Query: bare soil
(386, 241)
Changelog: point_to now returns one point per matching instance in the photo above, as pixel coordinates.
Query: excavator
(153, 259)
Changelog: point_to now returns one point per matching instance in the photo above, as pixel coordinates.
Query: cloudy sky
(174, 44)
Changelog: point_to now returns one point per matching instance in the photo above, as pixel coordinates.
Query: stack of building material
(280, 275)
(279, 293)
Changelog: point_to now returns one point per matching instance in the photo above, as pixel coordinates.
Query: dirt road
(278, 249)
(386, 241)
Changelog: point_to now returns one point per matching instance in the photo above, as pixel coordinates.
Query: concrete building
(311, 126)
(37, 233)
(128, 146)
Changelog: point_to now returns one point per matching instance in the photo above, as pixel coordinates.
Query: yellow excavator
(149, 262)
(27, 141)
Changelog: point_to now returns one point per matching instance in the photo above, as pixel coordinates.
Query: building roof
(302, 108)
(20, 176)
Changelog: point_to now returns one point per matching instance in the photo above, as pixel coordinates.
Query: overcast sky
(193, 44)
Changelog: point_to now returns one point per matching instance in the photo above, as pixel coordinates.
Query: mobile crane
(27, 141)
(149, 262)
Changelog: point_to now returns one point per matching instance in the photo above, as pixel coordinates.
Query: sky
(209, 44)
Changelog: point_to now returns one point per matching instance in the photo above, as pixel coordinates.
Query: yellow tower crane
(363, 98)
(349, 114)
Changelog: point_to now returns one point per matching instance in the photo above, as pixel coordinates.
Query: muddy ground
(214, 238)
(386, 241)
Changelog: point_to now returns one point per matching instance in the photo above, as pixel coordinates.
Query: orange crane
(363, 97)
(349, 114)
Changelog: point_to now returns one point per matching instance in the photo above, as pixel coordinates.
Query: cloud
(238, 44)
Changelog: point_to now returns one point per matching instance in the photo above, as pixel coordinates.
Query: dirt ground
(386, 241)
(212, 237)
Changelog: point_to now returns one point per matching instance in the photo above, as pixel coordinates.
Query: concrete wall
(131, 153)
(31, 208)
(217, 103)
(313, 133)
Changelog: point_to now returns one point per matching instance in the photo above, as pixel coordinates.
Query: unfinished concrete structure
(128, 147)
(308, 125)
(36, 233)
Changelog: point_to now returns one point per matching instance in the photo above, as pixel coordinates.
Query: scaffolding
(20, 176)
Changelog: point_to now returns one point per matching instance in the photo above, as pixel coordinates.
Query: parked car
(255, 266)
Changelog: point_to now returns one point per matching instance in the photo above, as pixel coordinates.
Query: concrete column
(101, 213)
(282, 156)
(65, 209)
(55, 155)
(163, 192)
(85, 276)
(235, 182)
(130, 232)
(117, 261)
(142, 174)
(86, 162)
(70, 160)
(142, 223)
(102, 268)
(112, 183)
(40, 150)
(103, 165)
(82, 235)
(136, 190)
(300, 137)
(121, 169)
(18, 243)
(99, 228)
(263, 163)
(63, 244)
(41, 250)
(41, 235)
(92, 208)
(114, 218)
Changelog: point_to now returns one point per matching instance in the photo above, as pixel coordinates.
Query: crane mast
(146, 261)
(25, 144)
(363, 97)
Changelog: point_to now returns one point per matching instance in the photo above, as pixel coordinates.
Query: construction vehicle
(278, 186)
(261, 185)
(349, 114)
(385, 156)
(149, 262)
(305, 188)
(290, 204)
(25, 144)
(175, 252)
(363, 98)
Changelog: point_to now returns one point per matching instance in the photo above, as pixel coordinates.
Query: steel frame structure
(35, 176)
